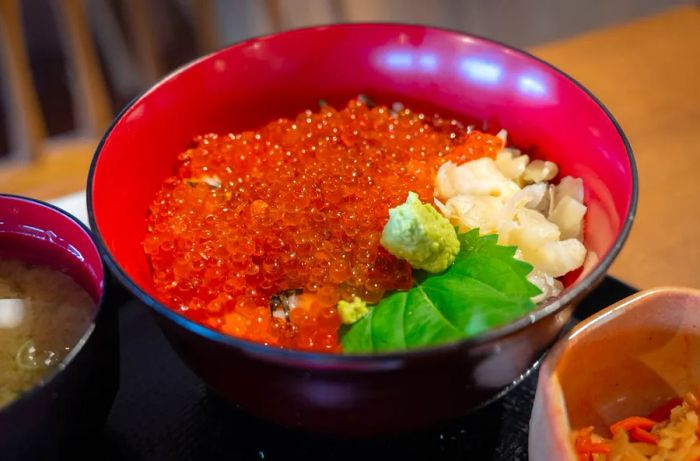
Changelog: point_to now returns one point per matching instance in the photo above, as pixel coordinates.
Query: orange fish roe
(297, 205)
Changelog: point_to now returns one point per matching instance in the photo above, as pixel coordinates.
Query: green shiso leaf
(484, 288)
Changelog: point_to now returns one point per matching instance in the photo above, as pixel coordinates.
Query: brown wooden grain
(648, 74)
(140, 24)
(61, 170)
(206, 27)
(26, 125)
(89, 91)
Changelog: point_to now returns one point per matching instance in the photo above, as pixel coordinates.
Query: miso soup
(43, 314)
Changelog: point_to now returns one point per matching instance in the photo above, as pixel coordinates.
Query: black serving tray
(164, 412)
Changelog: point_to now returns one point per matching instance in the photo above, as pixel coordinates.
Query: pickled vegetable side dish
(668, 433)
(283, 235)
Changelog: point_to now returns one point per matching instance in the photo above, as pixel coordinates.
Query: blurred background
(68, 66)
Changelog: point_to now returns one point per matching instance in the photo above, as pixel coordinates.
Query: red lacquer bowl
(245, 86)
(61, 417)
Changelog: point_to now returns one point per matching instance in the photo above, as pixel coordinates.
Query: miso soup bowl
(626, 360)
(254, 82)
(62, 416)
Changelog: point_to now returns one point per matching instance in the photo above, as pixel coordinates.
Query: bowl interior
(41, 234)
(247, 85)
(632, 359)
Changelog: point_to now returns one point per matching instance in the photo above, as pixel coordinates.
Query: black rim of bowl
(99, 306)
(289, 356)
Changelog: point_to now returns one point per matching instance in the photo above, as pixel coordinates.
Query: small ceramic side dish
(626, 360)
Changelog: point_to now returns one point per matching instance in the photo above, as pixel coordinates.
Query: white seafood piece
(444, 187)
(478, 177)
(567, 187)
(548, 285)
(511, 163)
(531, 231)
(540, 170)
(558, 257)
(470, 211)
(568, 215)
(529, 197)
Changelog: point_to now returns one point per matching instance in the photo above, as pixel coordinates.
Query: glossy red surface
(247, 85)
(40, 234)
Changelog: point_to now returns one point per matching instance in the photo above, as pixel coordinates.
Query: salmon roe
(296, 205)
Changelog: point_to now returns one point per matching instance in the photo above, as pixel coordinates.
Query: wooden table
(647, 72)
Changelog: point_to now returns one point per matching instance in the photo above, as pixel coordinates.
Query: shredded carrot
(585, 446)
(663, 411)
(640, 435)
(633, 436)
(630, 423)
(594, 447)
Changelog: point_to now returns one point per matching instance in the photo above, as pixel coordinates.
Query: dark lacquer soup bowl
(249, 84)
(63, 414)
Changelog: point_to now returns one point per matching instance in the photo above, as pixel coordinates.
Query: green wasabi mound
(419, 234)
(352, 311)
